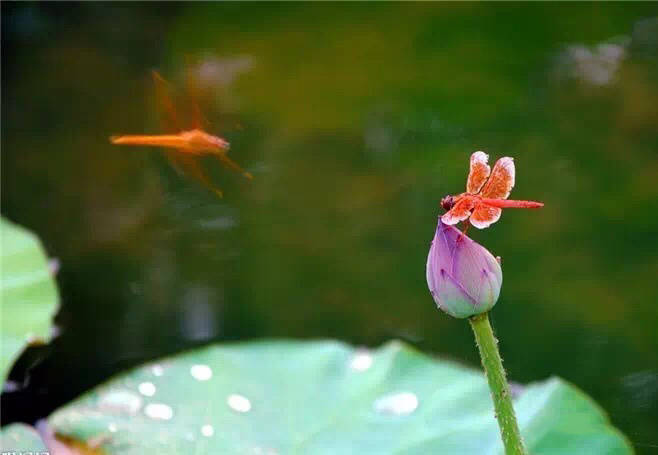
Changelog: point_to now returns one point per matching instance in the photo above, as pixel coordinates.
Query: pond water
(355, 120)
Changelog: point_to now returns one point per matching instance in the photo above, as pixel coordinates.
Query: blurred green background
(355, 120)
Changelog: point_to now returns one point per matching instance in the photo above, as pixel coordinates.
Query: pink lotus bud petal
(464, 278)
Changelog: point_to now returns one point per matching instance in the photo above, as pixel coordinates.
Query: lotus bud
(464, 278)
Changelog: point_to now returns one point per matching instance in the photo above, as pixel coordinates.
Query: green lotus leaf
(21, 438)
(28, 294)
(285, 397)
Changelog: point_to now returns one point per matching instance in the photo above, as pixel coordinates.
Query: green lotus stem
(493, 368)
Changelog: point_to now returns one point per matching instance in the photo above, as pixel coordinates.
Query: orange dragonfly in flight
(185, 146)
(486, 194)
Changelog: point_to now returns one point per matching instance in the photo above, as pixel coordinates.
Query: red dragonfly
(486, 194)
(186, 145)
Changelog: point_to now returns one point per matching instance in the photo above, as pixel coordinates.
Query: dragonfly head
(207, 142)
(221, 143)
(448, 202)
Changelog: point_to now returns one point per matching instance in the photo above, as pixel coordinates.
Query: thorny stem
(493, 368)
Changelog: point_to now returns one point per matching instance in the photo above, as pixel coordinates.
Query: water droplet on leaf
(238, 403)
(207, 430)
(201, 372)
(147, 389)
(361, 360)
(159, 411)
(120, 401)
(397, 404)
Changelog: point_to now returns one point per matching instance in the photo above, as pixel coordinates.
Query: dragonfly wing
(479, 172)
(189, 166)
(193, 89)
(501, 182)
(485, 215)
(166, 105)
(459, 212)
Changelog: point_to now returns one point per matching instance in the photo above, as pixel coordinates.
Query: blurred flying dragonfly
(184, 146)
(486, 194)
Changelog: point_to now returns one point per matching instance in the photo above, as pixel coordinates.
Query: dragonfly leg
(466, 224)
(228, 162)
